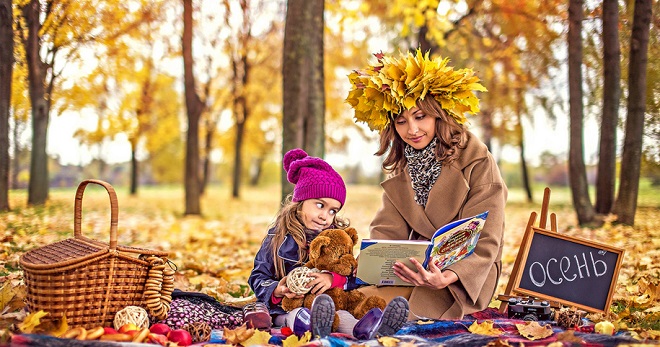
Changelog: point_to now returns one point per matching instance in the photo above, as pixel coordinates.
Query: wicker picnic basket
(88, 281)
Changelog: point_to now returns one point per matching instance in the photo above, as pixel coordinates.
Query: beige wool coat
(468, 186)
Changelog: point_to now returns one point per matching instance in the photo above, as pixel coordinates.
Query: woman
(439, 172)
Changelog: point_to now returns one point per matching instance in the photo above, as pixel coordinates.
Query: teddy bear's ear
(353, 234)
(317, 245)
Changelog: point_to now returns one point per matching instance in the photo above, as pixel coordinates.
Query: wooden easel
(508, 292)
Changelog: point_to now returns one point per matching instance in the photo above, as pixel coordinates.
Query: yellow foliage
(294, 341)
(31, 321)
(259, 338)
(485, 328)
(534, 331)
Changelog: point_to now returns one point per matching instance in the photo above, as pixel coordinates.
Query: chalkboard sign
(573, 271)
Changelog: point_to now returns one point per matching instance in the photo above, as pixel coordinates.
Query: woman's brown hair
(289, 221)
(450, 134)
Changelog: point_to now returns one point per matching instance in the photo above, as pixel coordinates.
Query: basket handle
(114, 210)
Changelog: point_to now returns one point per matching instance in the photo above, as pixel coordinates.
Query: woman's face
(319, 214)
(415, 128)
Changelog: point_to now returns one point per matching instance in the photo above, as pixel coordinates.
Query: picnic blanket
(448, 333)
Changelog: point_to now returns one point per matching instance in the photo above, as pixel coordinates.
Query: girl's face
(319, 214)
(415, 128)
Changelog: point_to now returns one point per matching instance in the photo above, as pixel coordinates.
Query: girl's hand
(282, 290)
(435, 278)
(322, 281)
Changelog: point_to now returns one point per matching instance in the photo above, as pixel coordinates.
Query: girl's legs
(346, 322)
(286, 320)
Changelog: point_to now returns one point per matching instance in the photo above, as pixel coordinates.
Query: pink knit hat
(313, 177)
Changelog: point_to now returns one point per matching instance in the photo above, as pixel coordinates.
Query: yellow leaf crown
(395, 84)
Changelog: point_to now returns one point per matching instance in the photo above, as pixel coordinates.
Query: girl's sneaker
(323, 315)
(256, 316)
(385, 323)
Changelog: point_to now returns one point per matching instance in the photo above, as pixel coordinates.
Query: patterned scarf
(424, 169)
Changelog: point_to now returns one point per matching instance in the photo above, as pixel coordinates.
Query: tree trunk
(16, 167)
(206, 166)
(194, 110)
(238, 159)
(424, 43)
(626, 203)
(38, 186)
(521, 145)
(134, 170)
(303, 111)
(576, 166)
(487, 127)
(255, 175)
(6, 71)
(241, 70)
(605, 180)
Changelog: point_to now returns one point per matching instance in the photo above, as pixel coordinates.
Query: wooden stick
(544, 208)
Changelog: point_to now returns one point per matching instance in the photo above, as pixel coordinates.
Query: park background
(117, 78)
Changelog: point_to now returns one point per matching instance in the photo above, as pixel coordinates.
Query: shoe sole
(323, 315)
(394, 316)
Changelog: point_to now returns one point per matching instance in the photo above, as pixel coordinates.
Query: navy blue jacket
(263, 279)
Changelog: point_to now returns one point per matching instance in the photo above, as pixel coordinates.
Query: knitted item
(313, 177)
(424, 169)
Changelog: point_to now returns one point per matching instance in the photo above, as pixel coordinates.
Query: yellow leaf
(6, 294)
(64, 326)
(484, 328)
(388, 341)
(294, 341)
(238, 335)
(31, 321)
(259, 338)
(533, 331)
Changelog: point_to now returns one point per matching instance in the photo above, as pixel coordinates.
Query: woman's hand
(322, 281)
(282, 290)
(435, 278)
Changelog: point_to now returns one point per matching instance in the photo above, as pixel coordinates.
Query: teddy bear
(332, 250)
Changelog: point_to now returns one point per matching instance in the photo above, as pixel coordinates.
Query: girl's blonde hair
(450, 134)
(289, 221)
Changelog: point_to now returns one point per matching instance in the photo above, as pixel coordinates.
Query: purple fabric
(313, 177)
(191, 309)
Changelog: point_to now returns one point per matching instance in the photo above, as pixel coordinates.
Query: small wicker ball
(297, 279)
(199, 331)
(131, 314)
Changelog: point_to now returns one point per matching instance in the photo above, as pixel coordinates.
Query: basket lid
(62, 253)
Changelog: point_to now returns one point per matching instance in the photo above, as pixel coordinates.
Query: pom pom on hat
(314, 178)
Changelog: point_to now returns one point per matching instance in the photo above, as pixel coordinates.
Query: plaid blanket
(448, 333)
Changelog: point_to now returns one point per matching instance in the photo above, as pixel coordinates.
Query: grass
(216, 250)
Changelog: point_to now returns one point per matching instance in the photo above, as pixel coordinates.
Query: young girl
(318, 196)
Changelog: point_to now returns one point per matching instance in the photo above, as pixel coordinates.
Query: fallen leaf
(238, 335)
(31, 321)
(498, 343)
(533, 331)
(294, 341)
(259, 338)
(485, 328)
(388, 341)
(6, 294)
(568, 336)
(64, 326)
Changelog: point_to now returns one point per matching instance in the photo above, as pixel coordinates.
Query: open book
(448, 245)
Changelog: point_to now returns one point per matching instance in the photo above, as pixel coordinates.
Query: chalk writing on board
(540, 274)
(570, 270)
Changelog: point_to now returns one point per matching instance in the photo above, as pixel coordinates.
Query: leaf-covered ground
(214, 253)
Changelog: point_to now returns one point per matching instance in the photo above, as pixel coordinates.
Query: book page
(378, 256)
(458, 242)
